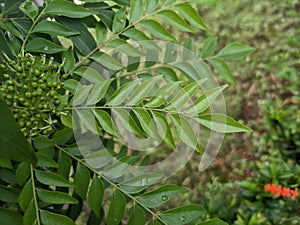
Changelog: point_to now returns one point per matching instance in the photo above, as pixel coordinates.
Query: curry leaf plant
(91, 91)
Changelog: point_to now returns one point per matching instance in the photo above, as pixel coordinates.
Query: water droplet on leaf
(164, 198)
(46, 48)
(183, 219)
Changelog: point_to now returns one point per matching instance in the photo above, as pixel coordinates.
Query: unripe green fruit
(28, 95)
(6, 76)
(34, 85)
(18, 68)
(10, 88)
(43, 86)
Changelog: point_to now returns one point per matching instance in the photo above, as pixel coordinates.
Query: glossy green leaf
(67, 120)
(45, 161)
(186, 132)
(167, 73)
(221, 123)
(87, 119)
(90, 74)
(161, 95)
(143, 180)
(9, 132)
(72, 85)
(136, 10)
(163, 128)
(62, 136)
(183, 96)
(107, 17)
(9, 194)
(222, 68)
(54, 179)
(53, 28)
(126, 121)
(95, 195)
(189, 70)
(9, 217)
(69, 58)
(42, 45)
(205, 100)
(26, 195)
(141, 37)
(151, 5)
(55, 197)
(175, 20)
(118, 168)
(11, 7)
(119, 21)
(235, 51)
(42, 142)
(98, 92)
(29, 217)
(209, 47)
(67, 9)
(81, 94)
(121, 94)
(6, 163)
(191, 15)
(182, 215)
(157, 30)
(99, 158)
(106, 122)
(142, 91)
(124, 47)
(30, 9)
(145, 120)
(107, 61)
(213, 221)
(22, 172)
(84, 41)
(81, 180)
(116, 209)
(161, 195)
(65, 164)
(23, 25)
(49, 218)
(137, 216)
(101, 33)
(189, 49)
(9, 26)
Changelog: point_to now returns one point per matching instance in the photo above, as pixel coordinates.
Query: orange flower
(286, 192)
(294, 193)
(281, 191)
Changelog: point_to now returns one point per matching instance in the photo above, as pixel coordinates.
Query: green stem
(34, 196)
(112, 184)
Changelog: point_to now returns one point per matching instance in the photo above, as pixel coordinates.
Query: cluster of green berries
(33, 87)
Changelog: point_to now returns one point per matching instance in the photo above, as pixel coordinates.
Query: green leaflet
(49, 218)
(161, 195)
(72, 85)
(30, 9)
(234, 51)
(118, 168)
(124, 47)
(54, 179)
(136, 10)
(42, 142)
(167, 73)
(205, 100)
(30, 214)
(101, 33)
(182, 215)
(87, 119)
(151, 5)
(143, 180)
(70, 59)
(137, 216)
(222, 68)
(142, 91)
(107, 61)
(45, 161)
(189, 70)
(98, 92)
(157, 30)
(119, 21)
(42, 45)
(209, 47)
(141, 37)
(26, 195)
(22, 172)
(99, 158)
(65, 163)
(106, 122)
(89, 74)
(9, 194)
(9, 217)
(81, 180)
(121, 94)
(53, 28)
(95, 195)
(81, 94)
(186, 132)
(175, 20)
(191, 15)
(9, 133)
(67, 9)
(116, 209)
(221, 123)
(55, 197)
(145, 120)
